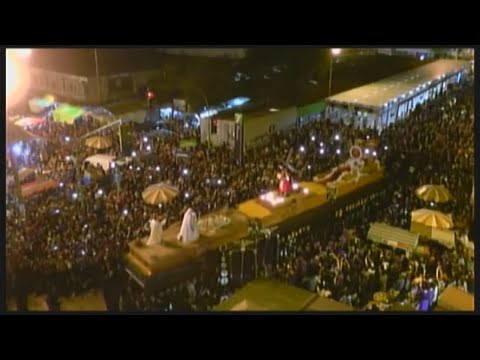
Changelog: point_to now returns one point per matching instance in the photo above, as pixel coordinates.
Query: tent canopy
(30, 121)
(100, 114)
(67, 114)
(100, 159)
(453, 299)
(267, 296)
(393, 236)
(383, 91)
(324, 304)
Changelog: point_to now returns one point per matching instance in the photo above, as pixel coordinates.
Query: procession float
(358, 171)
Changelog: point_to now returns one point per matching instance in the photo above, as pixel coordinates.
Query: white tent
(100, 159)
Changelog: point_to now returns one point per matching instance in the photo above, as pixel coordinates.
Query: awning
(393, 236)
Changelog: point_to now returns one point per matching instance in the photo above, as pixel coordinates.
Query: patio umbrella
(16, 134)
(98, 142)
(159, 193)
(432, 218)
(435, 193)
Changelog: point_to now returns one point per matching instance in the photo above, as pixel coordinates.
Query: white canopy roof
(379, 93)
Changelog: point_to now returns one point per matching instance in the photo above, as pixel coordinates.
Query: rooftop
(378, 93)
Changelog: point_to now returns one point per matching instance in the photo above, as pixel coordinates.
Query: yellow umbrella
(435, 193)
(159, 193)
(432, 218)
(98, 142)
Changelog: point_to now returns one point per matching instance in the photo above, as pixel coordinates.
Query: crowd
(419, 150)
(74, 238)
(350, 269)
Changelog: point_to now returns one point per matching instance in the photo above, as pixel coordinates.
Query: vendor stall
(433, 225)
(392, 236)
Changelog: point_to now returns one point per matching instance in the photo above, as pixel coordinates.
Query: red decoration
(285, 185)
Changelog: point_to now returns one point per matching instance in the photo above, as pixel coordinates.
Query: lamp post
(333, 52)
(97, 74)
(200, 90)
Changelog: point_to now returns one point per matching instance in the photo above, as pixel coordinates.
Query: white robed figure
(189, 230)
(156, 231)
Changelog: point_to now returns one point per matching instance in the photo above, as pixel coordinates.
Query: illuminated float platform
(340, 188)
(224, 227)
(216, 229)
(273, 208)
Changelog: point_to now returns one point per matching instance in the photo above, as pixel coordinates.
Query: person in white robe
(156, 231)
(189, 230)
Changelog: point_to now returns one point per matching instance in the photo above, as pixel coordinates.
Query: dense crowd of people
(418, 150)
(74, 237)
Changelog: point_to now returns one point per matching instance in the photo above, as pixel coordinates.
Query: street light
(333, 52)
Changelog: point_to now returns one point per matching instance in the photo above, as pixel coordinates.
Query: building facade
(89, 89)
